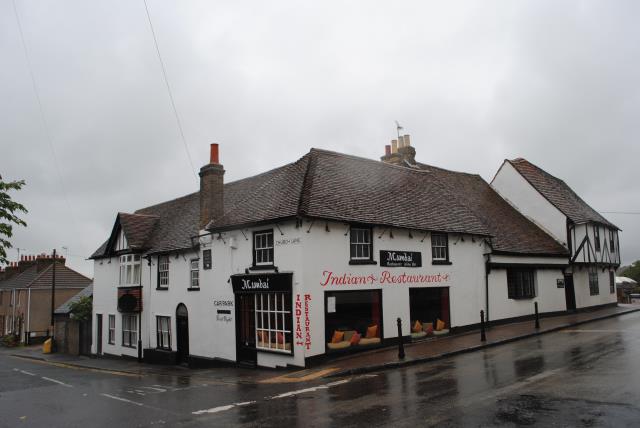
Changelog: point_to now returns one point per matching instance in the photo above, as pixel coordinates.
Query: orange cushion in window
(427, 327)
(280, 338)
(337, 336)
(262, 336)
(372, 332)
(417, 327)
(440, 325)
(355, 339)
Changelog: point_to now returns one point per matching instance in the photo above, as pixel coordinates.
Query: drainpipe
(13, 316)
(28, 313)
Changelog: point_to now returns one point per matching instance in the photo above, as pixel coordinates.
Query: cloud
(473, 84)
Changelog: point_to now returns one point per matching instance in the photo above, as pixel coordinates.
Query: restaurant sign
(400, 258)
(262, 283)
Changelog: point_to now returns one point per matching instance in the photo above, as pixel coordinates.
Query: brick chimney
(44, 260)
(211, 189)
(10, 270)
(400, 152)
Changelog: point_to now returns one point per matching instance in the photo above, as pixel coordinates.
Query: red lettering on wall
(386, 277)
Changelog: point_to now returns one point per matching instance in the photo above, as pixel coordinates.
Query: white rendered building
(321, 257)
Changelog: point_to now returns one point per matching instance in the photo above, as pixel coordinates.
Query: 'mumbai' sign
(400, 258)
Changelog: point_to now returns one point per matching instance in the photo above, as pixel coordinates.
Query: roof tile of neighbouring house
(511, 231)
(65, 308)
(558, 193)
(334, 186)
(31, 278)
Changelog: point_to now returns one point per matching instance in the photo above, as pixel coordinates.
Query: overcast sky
(554, 82)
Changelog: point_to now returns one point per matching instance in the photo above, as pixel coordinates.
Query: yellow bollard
(46, 346)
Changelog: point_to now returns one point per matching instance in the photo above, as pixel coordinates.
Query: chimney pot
(407, 140)
(215, 158)
(387, 150)
(400, 142)
(394, 146)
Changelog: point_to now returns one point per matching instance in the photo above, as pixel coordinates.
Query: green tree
(632, 271)
(81, 310)
(9, 211)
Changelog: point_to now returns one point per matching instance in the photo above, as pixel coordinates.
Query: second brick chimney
(211, 189)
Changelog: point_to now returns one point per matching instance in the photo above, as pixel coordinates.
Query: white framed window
(129, 330)
(163, 271)
(194, 273)
(163, 332)
(263, 248)
(130, 269)
(112, 329)
(439, 247)
(273, 321)
(361, 245)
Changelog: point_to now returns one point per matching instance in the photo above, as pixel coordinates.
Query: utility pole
(53, 290)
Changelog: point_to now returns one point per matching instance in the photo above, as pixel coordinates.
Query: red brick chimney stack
(211, 189)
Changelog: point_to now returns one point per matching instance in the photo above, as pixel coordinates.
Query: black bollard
(400, 344)
(483, 336)
(535, 305)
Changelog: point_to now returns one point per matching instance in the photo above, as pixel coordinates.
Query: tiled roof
(558, 193)
(511, 231)
(137, 228)
(31, 278)
(65, 308)
(334, 186)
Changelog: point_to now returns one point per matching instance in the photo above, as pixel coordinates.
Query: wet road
(588, 376)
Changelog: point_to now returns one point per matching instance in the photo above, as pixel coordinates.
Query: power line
(166, 82)
(43, 118)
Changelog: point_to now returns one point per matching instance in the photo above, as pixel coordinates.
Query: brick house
(25, 294)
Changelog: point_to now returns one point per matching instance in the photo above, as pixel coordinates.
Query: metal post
(483, 336)
(53, 290)
(537, 316)
(400, 344)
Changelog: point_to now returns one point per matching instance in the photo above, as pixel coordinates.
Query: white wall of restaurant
(550, 298)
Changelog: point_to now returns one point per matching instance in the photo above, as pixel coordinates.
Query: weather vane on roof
(398, 128)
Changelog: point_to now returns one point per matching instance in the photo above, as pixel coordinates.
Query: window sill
(193, 289)
(363, 262)
(522, 298)
(129, 346)
(163, 349)
(263, 267)
(162, 288)
(441, 262)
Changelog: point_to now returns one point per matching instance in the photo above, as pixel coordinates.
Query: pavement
(365, 362)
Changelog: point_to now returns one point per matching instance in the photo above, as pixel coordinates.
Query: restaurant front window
(429, 311)
(353, 319)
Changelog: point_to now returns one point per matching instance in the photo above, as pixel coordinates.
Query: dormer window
(130, 269)
(596, 237)
(263, 248)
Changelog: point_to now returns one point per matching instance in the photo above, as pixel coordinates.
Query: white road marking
(312, 389)
(57, 381)
(27, 373)
(122, 399)
(215, 409)
(283, 395)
